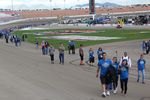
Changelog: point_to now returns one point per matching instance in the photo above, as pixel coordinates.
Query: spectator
(81, 54)
(144, 46)
(91, 57)
(37, 43)
(124, 74)
(103, 67)
(141, 68)
(100, 53)
(127, 58)
(43, 47)
(51, 53)
(61, 53)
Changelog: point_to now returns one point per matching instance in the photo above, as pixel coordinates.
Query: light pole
(50, 8)
(12, 5)
(50, 4)
(64, 4)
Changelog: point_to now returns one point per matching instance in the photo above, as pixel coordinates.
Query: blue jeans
(37, 46)
(61, 58)
(143, 74)
(46, 51)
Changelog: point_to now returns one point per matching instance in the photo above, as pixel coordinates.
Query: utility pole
(50, 4)
(12, 5)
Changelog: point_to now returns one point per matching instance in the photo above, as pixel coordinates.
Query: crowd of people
(48, 49)
(13, 39)
(109, 71)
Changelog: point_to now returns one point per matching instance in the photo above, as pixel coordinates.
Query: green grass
(126, 34)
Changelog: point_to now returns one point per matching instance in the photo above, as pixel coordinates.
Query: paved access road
(25, 74)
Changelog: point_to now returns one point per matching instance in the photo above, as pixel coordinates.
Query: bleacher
(6, 16)
(56, 13)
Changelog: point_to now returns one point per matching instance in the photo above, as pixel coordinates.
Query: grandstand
(38, 14)
(55, 13)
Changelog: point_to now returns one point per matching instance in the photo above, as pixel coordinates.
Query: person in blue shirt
(100, 53)
(144, 47)
(103, 66)
(124, 74)
(91, 57)
(71, 47)
(141, 68)
(37, 43)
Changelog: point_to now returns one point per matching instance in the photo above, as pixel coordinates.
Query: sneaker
(103, 94)
(52, 62)
(125, 93)
(143, 82)
(122, 91)
(108, 93)
(115, 91)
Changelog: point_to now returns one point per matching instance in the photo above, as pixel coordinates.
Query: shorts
(91, 60)
(103, 79)
(106, 79)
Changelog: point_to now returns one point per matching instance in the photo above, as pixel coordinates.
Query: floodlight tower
(50, 4)
(12, 5)
(91, 6)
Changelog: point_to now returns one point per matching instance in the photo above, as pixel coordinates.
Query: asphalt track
(25, 74)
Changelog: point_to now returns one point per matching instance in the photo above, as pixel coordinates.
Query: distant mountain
(31, 7)
(104, 5)
(41, 6)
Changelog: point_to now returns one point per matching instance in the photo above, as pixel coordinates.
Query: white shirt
(128, 60)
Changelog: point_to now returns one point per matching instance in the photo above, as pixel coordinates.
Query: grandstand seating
(56, 13)
(52, 13)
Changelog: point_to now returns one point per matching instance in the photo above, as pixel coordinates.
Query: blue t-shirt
(104, 66)
(141, 64)
(116, 66)
(124, 73)
(91, 54)
(100, 54)
(71, 43)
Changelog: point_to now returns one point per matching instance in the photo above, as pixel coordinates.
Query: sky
(60, 3)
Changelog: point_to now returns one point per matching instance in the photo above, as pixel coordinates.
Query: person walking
(127, 58)
(81, 54)
(7, 38)
(124, 74)
(37, 43)
(114, 74)
(148, 47)
(46, 47)
(141, 68)
(69, 46)
(100, 53)
(144, 47)
(91, 57)
(43, 47)
(103, 67)
(61, 53)
(51, 53)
